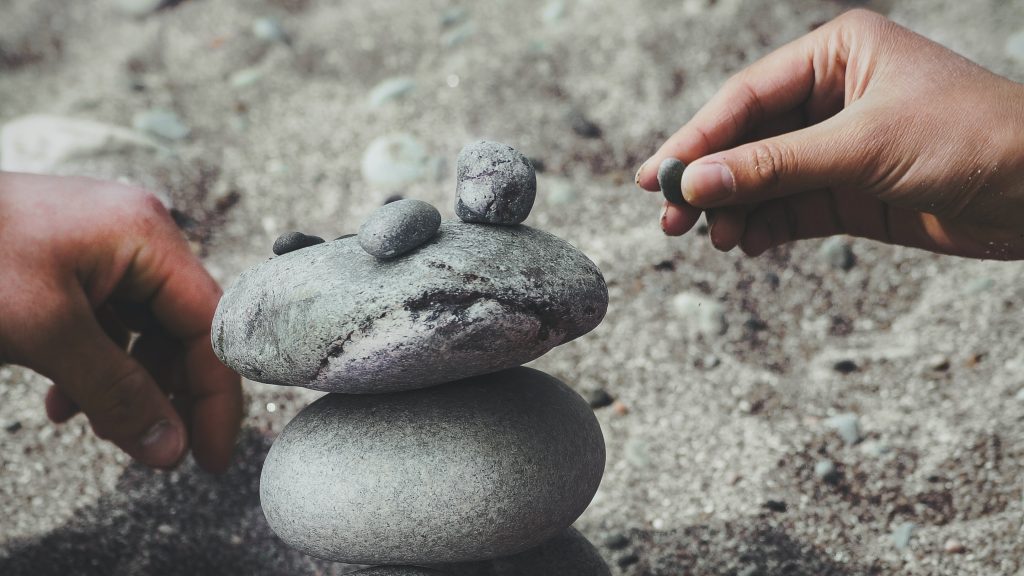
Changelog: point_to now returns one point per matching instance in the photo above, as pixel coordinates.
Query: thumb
(123, 402)
(825, 155)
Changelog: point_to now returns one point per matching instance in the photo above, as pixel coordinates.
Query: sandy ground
(714, 434)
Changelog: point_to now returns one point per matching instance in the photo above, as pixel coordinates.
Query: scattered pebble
(139, 7)
(13, 427)
(458, 35)
(292, 241)
(393, 198)
(826, 470)
(670, 180)
(395, 161)
(553, 11)
(627, 560)
(836, 251)
(270, 30)
(979, 285)
(161, 122)
(598, 398)
(343, 236)
(874, 448)
(704, 315)
(775, 505)
(616, 541)
(953, 546)
(496, 184)
(620, 408)
(391, 89)
(166, 529)
(246, 77)
(848, 427)
(711, 361)
(582, 125)
(845, 367)
(399, 227)
(936, 363)
(453, 15)
(902, 534)
(750, 570)
(1015, 45)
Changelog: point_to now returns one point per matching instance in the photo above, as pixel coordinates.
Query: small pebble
(395, 161)
(598, 398)
(750, 570)
(979, 285)
(453, 15)
(162, 123)
(670, 179)
(874, 448)
(553, 11)
(848, 427)
(139, 7)
(292, 241)
(845, 367)
(496, 184)
(246, 77)
(343, 236)
(582, 125)
(826, 470)
(616, 541)
(390, 90)
(837, 253)
(775, 505)
(902, 534)
(269, 29)
(393, 198)
(627, 560)
(953, 546)
(703, 315)
(396, 228)
(620, 408)
(13, 427)
(1015, 46)
(458, 35)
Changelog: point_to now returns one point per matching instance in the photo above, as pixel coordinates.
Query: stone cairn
(435, 452)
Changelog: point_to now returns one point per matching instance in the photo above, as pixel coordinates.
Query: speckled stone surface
(497, 184)
(476, 469)
(398, 227)
(670, 180)
(472, 300)
(399, 571)
(567, 554)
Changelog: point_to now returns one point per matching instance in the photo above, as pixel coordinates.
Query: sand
(711, 434)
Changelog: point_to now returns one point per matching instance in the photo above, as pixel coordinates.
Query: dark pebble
(13, 427)
(775, 505)
(598, 398)
(845, 367)
(616, 541)
(627, 560)
(292, 241)
(393, 198)
(583, 126)
(345, 236)
(670, 180)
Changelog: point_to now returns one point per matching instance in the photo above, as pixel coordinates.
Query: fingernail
(708, 183)
(664, 212)
(161, 444)
(636, 179)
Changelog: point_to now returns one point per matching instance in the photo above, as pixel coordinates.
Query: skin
(861, 127)
(87, 264)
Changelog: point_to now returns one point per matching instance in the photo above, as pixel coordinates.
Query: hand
(84, 262)
(860, 127)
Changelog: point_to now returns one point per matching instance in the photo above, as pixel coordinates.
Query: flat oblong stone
(670, 180)
(496, 184)
(567, 554)
(474, 299)
(470, 470)
(398, 227)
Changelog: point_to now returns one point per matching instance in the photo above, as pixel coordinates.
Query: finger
(183, 298)
(123, 403)
(59, 408)
(162, 357)
(677, 220)
(112, 326)
(774, 85)
(726, 226)
(826, 155)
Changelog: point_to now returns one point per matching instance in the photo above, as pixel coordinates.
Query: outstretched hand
(85, 264)
(860, 127)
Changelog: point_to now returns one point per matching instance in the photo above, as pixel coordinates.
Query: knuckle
(861, 17)
(768, 161)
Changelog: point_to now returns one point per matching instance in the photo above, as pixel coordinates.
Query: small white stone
(246, 77)
(704, 315)
(269, 29)
(553, 11)
(394, 161)
(161, 122)
(847, 425)
(390, 90)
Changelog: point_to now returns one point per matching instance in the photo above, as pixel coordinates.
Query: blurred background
(834, 407)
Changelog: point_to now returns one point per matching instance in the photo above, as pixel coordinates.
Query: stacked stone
(434, 451)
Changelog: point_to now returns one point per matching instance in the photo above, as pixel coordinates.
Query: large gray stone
(496, 184)
(399, 571)
(472, 300)
(567, 554)
(471, 470)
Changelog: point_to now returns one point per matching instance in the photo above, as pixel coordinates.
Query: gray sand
(707, 429)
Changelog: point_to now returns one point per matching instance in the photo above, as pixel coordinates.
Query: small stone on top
(497, 184)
